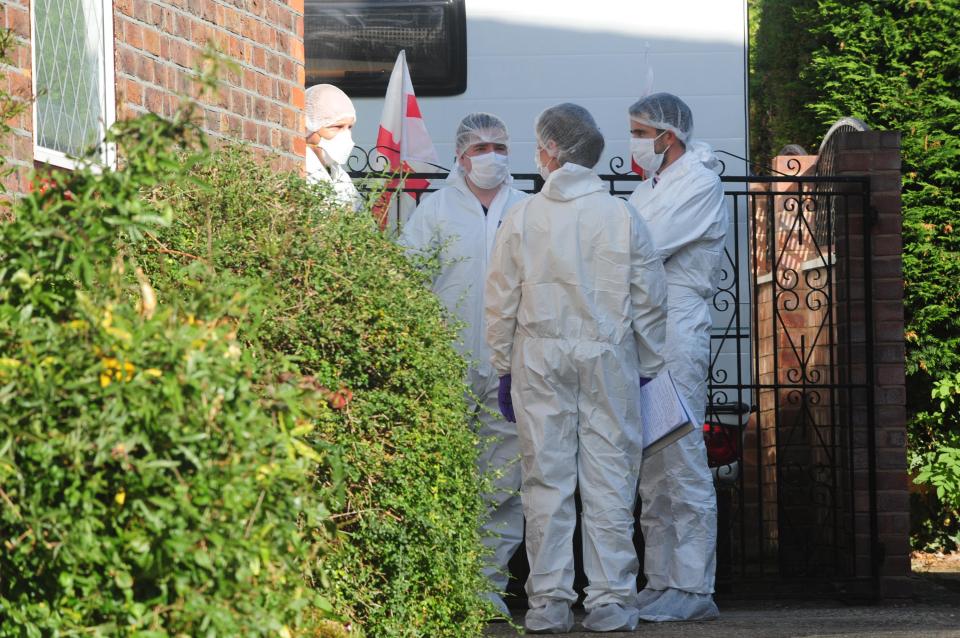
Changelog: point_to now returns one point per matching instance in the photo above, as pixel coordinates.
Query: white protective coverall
(336, 176)
(687, 217)
(575, 310)
(452, 218)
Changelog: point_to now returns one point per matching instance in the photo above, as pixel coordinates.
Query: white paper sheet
(664, 414)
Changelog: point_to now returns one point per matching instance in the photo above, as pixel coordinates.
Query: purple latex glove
(644, 381)
(504, 400)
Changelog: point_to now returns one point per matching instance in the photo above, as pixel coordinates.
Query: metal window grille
(73, 79)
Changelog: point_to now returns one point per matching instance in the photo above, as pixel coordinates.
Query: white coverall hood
(686, 213)
(571, 181)
(575, 311)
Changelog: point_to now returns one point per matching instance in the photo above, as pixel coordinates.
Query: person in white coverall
(461, 220)
(330, 118)
(682, 203)
(576, 312)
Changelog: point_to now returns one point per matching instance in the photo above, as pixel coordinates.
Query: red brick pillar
(877, 155)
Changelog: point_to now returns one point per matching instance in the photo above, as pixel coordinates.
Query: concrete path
(934, 612)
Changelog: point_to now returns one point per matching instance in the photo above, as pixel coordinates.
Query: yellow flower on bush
(113, 370)
(120, 334)
(9, 364)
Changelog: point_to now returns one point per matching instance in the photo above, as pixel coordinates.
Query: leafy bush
(153, 474)
(146, 486)
(780, 50)
(938, 467)
(344, 303)
(895, 65)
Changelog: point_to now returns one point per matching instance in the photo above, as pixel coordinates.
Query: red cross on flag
(404, 143)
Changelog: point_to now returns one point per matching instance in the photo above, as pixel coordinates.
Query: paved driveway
(934, 612)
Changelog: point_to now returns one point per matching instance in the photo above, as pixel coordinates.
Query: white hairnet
(326, 105)
(664, 111)
(480, 128)
(573, 132)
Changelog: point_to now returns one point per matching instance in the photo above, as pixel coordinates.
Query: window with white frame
(73, 79)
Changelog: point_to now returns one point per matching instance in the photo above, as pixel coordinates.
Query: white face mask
(489, 170)
(644, 154)
(543, 170)
(338, 148)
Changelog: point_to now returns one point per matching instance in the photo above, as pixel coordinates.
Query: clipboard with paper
(664, 414)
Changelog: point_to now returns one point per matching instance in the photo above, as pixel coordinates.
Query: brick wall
(159, 42)
(18, 145)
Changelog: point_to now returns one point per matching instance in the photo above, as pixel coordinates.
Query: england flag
(405, 146)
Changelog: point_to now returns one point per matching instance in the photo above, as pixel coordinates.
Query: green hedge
(155, 474)
(344, 303)
(896, 65)
(231, 408)
(780, 52)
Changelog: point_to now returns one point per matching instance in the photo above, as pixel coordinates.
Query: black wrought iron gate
(791, 421)
(796, 349)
